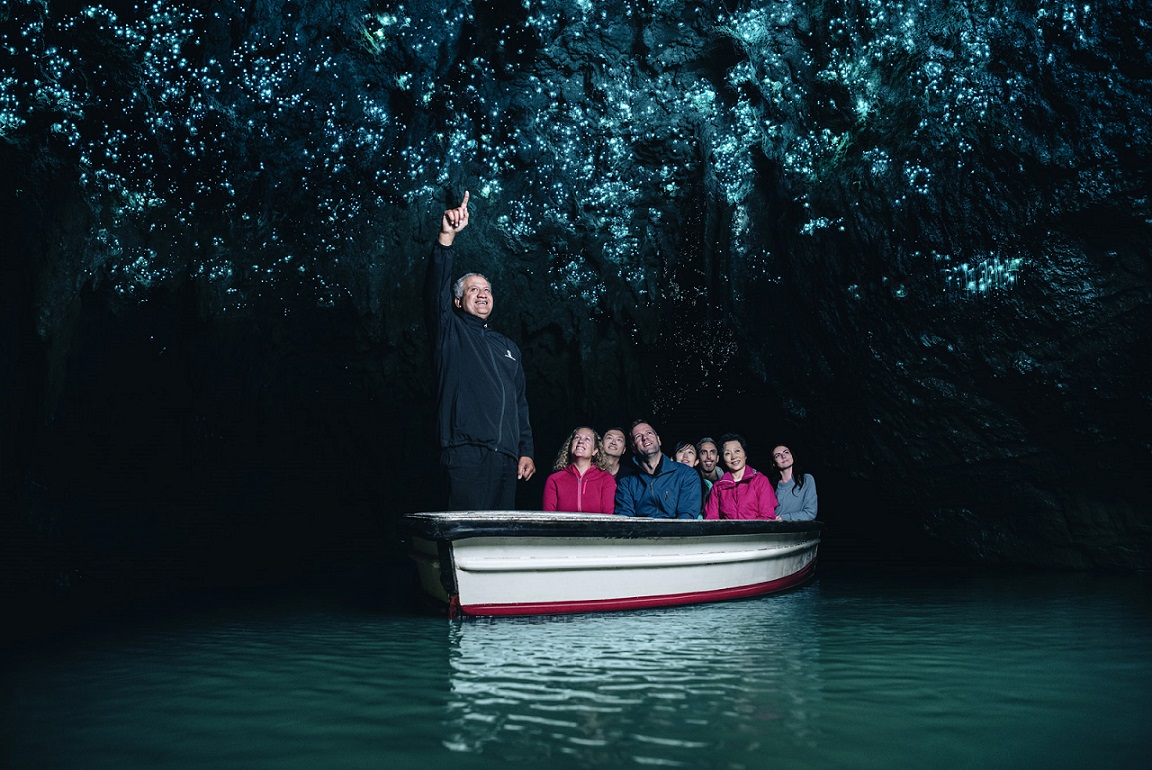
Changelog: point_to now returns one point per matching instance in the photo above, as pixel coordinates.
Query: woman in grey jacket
(795, 490)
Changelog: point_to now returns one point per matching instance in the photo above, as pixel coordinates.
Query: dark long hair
(798, 472)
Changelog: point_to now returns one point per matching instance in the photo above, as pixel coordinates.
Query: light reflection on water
(659, 687)
(907, 671)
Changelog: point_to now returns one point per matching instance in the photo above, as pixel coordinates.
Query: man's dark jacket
(479, 378)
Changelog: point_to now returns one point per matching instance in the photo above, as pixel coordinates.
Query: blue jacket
(672, 492)
(793, 506)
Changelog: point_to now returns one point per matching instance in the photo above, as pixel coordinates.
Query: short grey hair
(458, 287)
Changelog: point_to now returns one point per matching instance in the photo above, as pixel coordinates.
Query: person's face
(687, 455)
(708, 456)
(477, 297)
(583, 444)
(645, 441)
(782, 456)
(734, 458)
(614, 443)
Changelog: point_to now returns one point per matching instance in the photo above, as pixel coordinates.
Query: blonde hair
(564, 456)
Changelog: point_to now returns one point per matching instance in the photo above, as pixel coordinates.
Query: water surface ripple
(884, 672)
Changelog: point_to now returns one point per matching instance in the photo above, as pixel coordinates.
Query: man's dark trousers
(479, 479)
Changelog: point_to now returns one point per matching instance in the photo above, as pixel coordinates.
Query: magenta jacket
(752, 497)
(567, 490)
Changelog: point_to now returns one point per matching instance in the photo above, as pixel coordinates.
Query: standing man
(661, 488)
(485, 438)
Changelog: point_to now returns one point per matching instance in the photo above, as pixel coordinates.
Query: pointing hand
(454, 221)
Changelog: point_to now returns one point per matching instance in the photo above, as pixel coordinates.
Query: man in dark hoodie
(485, 437)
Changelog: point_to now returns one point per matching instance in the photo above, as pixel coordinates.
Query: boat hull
(525, 563)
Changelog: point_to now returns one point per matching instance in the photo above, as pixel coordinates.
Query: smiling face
(614, 443)
(583, 444)
(476, 298)
(686, 455)
(782, 457)
(734, 458)
(709, 456)
(645, 442)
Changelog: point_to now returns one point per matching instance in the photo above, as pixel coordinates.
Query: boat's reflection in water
(679, 686)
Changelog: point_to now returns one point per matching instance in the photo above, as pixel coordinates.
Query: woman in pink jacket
(743, 492)
(580, 483)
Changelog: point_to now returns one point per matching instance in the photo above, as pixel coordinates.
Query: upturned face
(782, 456)
(708, 457)
(583, 444)
(645, 442)
(477, 297)
(734, 459)
(687, 455)
(614, 443)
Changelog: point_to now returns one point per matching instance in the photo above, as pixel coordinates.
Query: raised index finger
(464, 203)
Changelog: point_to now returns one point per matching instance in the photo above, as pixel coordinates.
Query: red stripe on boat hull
(639, 602)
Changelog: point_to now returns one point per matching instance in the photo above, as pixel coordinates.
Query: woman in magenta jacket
(580, 483)
(743, 492)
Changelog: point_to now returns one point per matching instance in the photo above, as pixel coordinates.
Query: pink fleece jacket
(752, 497)
(567, 490)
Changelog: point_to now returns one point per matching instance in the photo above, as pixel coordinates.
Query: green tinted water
(891, 672)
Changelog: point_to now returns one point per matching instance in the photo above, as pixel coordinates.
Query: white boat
(531, 562)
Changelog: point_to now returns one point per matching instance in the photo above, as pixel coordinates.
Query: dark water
(908, 670)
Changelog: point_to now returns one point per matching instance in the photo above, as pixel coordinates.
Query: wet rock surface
(911, 239)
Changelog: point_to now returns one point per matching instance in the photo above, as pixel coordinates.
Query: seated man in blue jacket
(661, 488)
